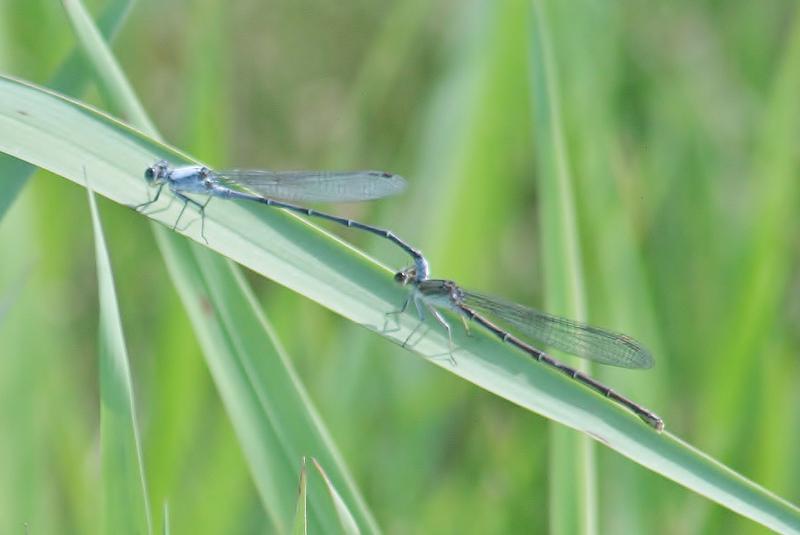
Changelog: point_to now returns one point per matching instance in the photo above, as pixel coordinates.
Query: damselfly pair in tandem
(283, 188)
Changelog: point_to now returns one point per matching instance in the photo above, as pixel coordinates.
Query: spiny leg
(466, 324)
(443, 322)
(203, 219)
(139, 207)
(200, 207)
(185, 200)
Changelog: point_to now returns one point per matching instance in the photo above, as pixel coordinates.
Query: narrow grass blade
(208, 96)
(348, 523)
(126, 506)
(165, 529)
(300, 516)
(573, 489)
(118, 92)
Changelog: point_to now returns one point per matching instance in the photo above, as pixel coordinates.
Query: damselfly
(274, 188)
(575, 338)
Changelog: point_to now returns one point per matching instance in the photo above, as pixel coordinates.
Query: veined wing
(569, 336)
(313, 186)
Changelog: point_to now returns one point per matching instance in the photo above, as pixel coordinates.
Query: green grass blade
(70, 79)
(573, 492)
(347, 522)
(300, 526)
(62, 136)
(207, 96)
(117, 91)
(126, 504)
(165, 526)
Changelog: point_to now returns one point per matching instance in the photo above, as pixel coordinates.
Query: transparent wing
(573, 337)
(313, 186)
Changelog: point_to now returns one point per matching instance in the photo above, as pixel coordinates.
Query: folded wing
(569, 336)
(313, 186)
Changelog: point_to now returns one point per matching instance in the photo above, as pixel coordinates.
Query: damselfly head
(157, 173)
(408, 275)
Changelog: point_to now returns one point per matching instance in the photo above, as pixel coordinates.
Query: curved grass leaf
(61, 135)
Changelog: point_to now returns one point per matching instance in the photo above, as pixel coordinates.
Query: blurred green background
(681, 122)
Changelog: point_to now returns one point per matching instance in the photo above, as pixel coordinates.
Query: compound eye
(149, 173)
